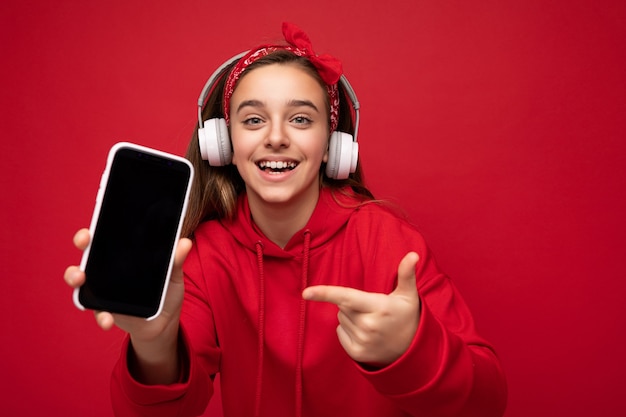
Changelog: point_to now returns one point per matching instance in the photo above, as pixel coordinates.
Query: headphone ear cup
(343, 154)
(214, 142)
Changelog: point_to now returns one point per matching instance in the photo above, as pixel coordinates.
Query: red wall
(498, 125)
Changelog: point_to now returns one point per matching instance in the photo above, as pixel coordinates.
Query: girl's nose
(277, 136)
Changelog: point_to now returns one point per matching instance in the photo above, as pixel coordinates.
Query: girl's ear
(325, 158)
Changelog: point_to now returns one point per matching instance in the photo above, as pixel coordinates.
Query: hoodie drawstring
(261, 335)
(302, 319)
(300, 352)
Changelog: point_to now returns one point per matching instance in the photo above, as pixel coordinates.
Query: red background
(498, 125)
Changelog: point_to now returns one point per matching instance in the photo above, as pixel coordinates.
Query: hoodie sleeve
(448, 370)
(190, 396)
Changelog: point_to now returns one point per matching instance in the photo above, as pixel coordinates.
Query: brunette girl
(305, 294)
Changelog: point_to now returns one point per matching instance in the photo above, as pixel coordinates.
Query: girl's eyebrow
(251, 103)
(300, 103)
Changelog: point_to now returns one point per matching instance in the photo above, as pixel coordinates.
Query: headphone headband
(208, 87)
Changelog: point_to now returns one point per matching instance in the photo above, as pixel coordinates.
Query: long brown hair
(215, 190)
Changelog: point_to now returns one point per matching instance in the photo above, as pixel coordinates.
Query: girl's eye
(301, 120)
(251, 121)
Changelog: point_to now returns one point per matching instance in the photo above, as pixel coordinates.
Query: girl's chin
(283, 196)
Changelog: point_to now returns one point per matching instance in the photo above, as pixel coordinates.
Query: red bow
(328, 67)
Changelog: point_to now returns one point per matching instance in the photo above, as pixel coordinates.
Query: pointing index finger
(342, 297)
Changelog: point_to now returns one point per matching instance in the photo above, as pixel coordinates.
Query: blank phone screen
(136, 231)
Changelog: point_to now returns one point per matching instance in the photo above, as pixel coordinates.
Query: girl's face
(279, 130)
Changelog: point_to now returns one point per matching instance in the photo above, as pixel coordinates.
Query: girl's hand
(139, 329)
(375, 329)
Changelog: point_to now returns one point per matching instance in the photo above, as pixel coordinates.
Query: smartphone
(135, 228)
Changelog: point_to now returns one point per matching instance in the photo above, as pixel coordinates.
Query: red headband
(329, 68)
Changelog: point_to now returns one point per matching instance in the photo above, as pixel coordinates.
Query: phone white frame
(94, 219)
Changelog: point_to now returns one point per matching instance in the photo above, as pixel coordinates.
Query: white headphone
(215, 146)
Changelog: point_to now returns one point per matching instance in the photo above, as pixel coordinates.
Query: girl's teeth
(276, 164)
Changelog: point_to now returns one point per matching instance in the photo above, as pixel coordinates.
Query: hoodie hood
(327, 219)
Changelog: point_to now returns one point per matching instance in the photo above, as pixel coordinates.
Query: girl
(306, 295)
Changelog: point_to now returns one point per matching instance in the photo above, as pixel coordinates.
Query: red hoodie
(277, 355)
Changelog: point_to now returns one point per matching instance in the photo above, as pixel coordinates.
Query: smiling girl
(307, 296)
